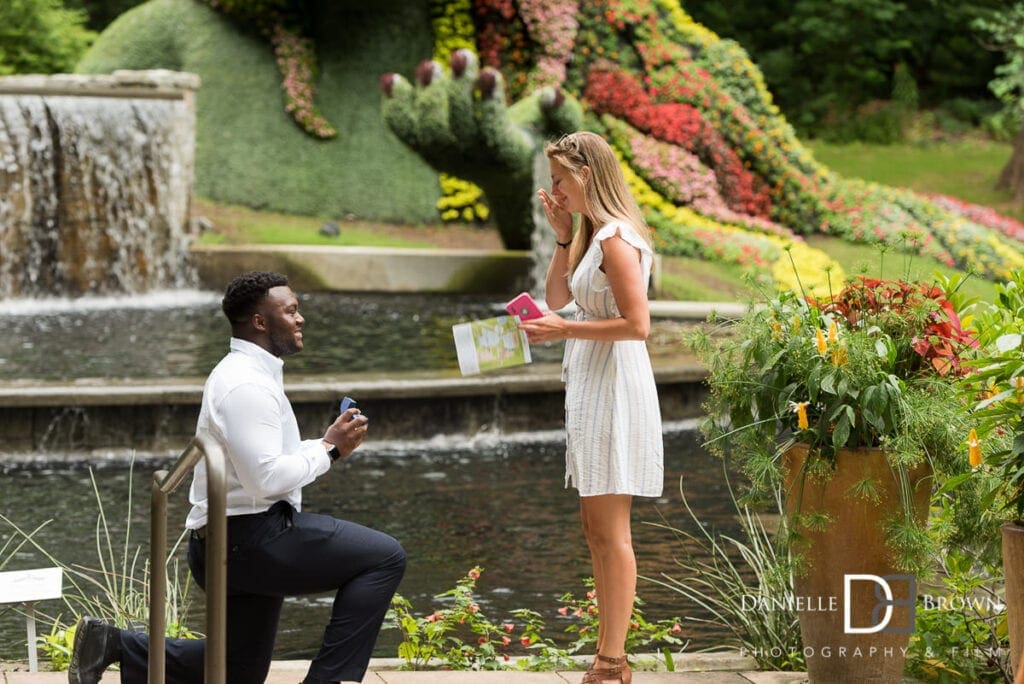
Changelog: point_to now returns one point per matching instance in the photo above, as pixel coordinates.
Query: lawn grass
(871, 261)
(966, 169)
(242, 225)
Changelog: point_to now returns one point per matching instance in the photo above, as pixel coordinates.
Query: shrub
(41, 37)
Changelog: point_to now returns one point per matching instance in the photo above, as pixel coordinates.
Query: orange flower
(974, 448)
(800, 408)
(833, 333)
(819, 340)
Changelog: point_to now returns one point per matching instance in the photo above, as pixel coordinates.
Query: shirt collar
(273, 364)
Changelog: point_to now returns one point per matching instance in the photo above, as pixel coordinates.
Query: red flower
(898, 302)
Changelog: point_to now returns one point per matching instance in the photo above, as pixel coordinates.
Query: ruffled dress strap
(628, 233)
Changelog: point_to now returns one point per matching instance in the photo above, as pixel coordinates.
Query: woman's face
(567, 191)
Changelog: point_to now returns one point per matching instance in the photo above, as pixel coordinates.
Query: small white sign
(18, 586)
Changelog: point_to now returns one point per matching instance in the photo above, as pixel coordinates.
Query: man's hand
(347, 432)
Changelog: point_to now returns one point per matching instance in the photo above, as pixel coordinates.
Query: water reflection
(116, 338)
(495, 503)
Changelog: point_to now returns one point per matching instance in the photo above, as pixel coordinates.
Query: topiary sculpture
(460, 125)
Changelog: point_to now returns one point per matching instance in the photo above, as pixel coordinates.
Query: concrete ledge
(370, 269)
(161, 414)
(152, 83)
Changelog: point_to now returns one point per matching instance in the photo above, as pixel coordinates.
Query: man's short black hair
(244, 294)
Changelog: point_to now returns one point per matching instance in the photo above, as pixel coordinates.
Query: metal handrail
(215, 666)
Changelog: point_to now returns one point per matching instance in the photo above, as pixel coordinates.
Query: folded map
(489, 344)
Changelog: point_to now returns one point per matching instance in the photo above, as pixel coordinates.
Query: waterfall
(542, 240)
(95, 183)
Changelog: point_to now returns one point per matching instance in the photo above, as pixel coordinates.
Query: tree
(828, 57)
(1006, 32)
(41, 36)
(102, 12)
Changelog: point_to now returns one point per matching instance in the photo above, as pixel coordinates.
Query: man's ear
(259, 322)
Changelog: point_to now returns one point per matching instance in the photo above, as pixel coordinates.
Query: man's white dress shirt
(244, 406)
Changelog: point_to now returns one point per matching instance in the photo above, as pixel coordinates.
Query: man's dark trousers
(279, 553)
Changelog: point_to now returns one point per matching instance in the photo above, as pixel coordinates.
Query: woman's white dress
(612, 416)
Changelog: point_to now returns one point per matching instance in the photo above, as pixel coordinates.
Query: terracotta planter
(849, 635)
(1013, 569)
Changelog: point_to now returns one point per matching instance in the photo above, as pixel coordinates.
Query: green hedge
(248, 150)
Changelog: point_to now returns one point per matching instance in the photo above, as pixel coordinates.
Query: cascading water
(95, 183)
(542, 240)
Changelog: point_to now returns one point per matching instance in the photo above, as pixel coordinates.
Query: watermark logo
(885, 601)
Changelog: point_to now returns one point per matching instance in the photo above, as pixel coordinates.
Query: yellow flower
(833, 333)
(991, 389)
(819, 338)
(839, 355)
(796, 323)
(974, 448)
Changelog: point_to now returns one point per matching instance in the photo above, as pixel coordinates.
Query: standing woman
(612, 417)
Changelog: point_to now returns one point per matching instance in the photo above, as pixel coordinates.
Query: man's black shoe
(97, 645)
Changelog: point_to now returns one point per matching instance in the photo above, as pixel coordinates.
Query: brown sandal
(619, 671)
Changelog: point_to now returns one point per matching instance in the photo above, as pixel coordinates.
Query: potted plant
(997, 436)
(846, 402)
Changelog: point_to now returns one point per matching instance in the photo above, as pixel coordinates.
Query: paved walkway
(694, 669)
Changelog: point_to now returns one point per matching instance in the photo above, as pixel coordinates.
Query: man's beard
(283, 345)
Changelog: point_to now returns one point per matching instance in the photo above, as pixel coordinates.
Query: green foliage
(464, 128)
(871, 365)
(259, 13)
(745, 583)
(820, 58)
(461, 637)
(115, 590)
(1005, 33)
(102, 12)
(41, 37)
(998, 389)
(904, 89)
(248, 151)
(960, 633)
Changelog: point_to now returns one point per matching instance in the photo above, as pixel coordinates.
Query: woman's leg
(606, 524)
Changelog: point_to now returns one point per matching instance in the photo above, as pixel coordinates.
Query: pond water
(494, 501)
(181, 334)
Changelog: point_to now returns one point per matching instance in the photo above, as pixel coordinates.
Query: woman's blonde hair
(606, 194)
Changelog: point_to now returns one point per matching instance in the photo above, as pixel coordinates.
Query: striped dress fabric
(612, 416)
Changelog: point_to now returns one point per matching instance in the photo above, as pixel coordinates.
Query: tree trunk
(1012, 176)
